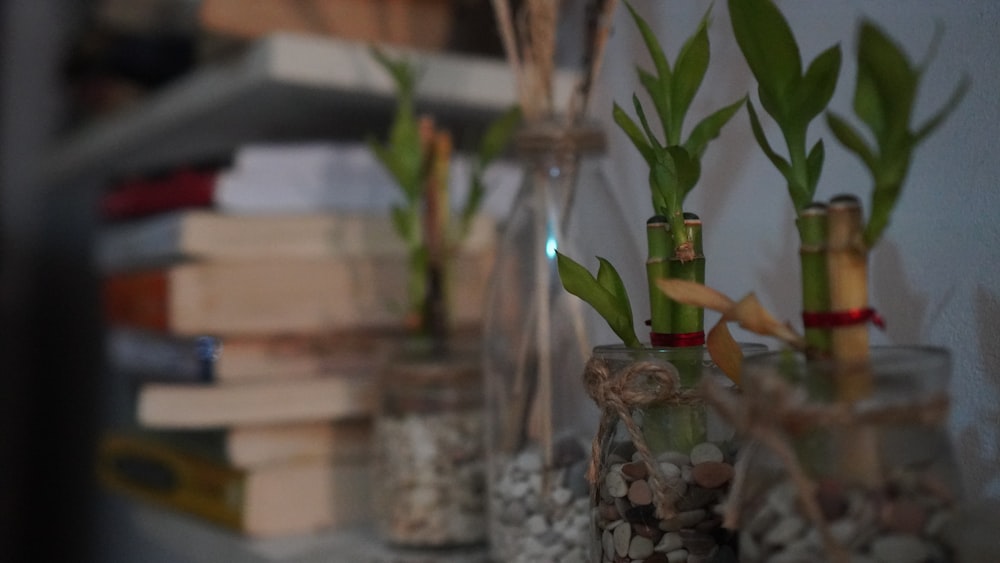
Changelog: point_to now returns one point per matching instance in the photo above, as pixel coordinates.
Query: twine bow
(773, 410)
(638, 385)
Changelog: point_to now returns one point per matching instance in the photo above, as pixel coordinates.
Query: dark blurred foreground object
(109, 69)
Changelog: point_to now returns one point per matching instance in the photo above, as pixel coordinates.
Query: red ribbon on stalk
(677, 339)
(834, 319)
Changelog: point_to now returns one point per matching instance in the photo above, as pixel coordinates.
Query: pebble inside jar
(662, 464)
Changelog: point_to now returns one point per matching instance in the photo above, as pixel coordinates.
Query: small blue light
(551, 246)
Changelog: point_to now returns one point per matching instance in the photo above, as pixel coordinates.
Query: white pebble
(616, 484)
(537, 525)
(640, 547)
(677, 458)
(562, 496)
(622, 537)
(529, 462)
(669, 470)
(706, 451)
(608, 545)
(669, 542)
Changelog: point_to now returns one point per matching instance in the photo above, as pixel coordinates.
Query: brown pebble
(831, 499)
(647, 531)
(608, 511)
(904, 516)
(639, 493)
(656, 558)
(712, 474)
(635, 470)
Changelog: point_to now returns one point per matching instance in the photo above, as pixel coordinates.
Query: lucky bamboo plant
(835, 239)
(417, 155)
(674, 169)
(884, 96)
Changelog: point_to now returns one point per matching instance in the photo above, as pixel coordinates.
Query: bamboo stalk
(812, 225)
(681, 427)
(658, 267)
(436, 216)
(847, 262)
(688, 319)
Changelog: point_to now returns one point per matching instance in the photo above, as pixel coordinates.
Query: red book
(184, 188)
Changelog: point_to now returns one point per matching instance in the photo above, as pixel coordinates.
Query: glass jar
(537, 337)
(868, 480)
(663, 460)
(429, 458)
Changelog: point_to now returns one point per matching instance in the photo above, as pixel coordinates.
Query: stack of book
(250, 343)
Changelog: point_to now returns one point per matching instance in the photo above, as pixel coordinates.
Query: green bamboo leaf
(814, 165)
(660, 98)
(689, 71)
(887, 86)
(498, 135)
(652, 45)
(398, 168)
(710, 127)
(779, 161)
(816, 89)
(653, 141)
(956, 97)
(885, 195)
(404, 223)
(610, 280)
(768, 45)
(684, 168)
(403, 74)
(579, 282)
(778, 108)
(665, 177)
(664, 183)
(852, 140)
(634, 133)
(473, 201)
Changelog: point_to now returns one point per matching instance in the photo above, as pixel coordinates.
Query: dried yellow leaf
(693, 293)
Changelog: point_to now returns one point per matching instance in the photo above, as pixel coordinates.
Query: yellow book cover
(275, 499)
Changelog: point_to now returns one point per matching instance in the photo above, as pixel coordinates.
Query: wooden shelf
(285, 87)
(156, 534)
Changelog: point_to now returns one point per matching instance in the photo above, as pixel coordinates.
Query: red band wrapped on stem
(834, 319)
(676, 339)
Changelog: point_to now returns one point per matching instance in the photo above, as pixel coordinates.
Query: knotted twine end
(636, 386)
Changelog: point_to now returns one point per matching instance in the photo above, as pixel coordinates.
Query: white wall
(935, 275)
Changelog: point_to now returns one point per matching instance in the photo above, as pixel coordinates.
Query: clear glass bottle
(661, 506)
(429, 458)
(865, 481)
(537, 337)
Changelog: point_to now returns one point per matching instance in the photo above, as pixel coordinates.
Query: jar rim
(897, 355)
(555, 135)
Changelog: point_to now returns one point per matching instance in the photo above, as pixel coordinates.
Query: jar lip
(552, 135)
(896, 355)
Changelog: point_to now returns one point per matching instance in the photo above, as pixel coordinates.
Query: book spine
(152, 356)
(183, 189)
(138, 299)
(159, 474)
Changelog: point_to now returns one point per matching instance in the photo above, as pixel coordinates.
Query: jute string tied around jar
(772, 410)
(636, 386)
